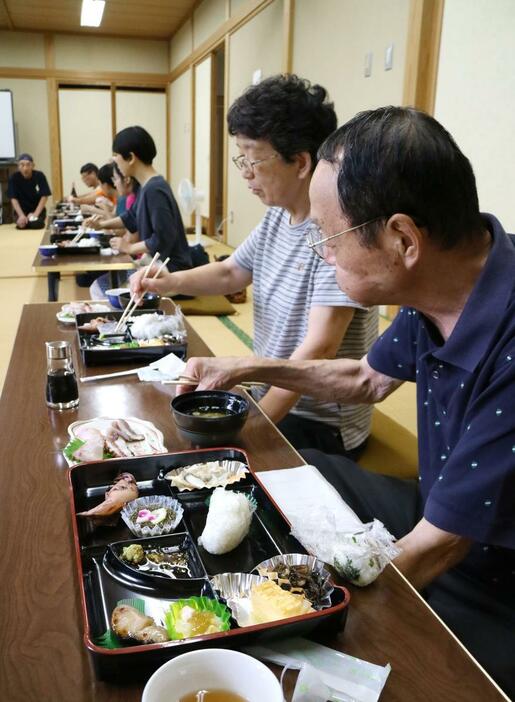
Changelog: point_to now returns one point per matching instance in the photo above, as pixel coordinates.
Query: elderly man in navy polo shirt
(28, 190)
(395, 210)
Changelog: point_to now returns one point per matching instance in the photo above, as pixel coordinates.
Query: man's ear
(406, 238)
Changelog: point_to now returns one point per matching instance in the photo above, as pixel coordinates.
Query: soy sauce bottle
(73, 191)
(61, 386)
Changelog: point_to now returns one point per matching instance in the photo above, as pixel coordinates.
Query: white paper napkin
(169, 367)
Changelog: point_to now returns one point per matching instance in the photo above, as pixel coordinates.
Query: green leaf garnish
(71, 447)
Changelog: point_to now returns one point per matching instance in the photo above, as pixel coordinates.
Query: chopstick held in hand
(135, 300)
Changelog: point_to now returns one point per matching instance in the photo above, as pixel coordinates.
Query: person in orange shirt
(105, 195)
(89, 176)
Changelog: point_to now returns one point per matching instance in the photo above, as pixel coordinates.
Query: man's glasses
(316, 239)
(243, 163)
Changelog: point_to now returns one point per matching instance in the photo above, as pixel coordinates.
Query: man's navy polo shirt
(466, 411)
(28, 191)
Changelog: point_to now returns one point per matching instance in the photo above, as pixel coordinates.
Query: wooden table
(43, 656)
(78, 263)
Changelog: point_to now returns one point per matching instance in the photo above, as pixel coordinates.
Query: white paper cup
(213, 669)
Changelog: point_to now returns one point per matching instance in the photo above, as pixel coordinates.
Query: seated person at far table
(127, 189)
(156, 217)
(299, 312)
(89, 176)
(396, 211)
(106, 196)
(28, 191)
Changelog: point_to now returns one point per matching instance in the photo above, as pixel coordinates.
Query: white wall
(147, 110)
(258, 44)
(475, 97)
(32, 135)
(22, 49)
(105, 54)
(181, 44)
(329, 48)
(208, 16)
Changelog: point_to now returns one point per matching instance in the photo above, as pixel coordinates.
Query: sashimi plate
(153, 438)
(68, 317)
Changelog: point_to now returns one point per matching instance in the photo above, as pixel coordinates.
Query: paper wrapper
(235, 589)
(360, 557)
(315, 566)
(211, 474)
(152, 502)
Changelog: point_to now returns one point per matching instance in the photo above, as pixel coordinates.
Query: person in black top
(158, 219)
(28, 190)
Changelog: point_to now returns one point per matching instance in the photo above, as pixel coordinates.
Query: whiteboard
(7, 143)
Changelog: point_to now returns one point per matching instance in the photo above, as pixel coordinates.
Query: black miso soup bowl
(150, 300)
(209, 431)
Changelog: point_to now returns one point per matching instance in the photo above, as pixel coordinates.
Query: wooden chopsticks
(78, 235)
(188, 380)
(135, 300)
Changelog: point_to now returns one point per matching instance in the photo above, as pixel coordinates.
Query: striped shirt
(288, 280)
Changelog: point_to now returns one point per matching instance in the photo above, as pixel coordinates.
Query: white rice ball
(228, 521)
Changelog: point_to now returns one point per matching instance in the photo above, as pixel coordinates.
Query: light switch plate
(256, 76)
(388, 58)
(368, 64)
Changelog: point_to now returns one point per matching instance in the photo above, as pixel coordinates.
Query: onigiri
(228, 521)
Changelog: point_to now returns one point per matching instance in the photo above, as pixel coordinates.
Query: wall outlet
(388, 58)
(231, 217)
(368, 64)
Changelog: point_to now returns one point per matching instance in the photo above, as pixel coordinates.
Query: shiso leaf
(201, 604)
(348, 570)
(71, 447)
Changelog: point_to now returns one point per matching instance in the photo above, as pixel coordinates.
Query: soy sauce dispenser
(61, 386)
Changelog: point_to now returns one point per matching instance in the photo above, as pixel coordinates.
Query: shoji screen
(85, 128)
(203, 131)
(147, 110)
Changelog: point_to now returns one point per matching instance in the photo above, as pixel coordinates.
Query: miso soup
(210, 412)
(212, 696)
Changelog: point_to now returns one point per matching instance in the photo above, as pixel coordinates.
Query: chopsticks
(134, 301)
(77, 236)
(188, 380)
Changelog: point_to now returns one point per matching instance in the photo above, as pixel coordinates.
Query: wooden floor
(392, 446)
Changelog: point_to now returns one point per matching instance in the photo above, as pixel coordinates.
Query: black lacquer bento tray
(105, 579)
(78, 250)
(108, 355)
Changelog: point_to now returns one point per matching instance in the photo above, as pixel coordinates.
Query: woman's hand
(163, 284)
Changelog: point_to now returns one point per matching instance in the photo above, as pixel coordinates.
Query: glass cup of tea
(61, 386)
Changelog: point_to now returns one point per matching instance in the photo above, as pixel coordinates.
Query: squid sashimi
(124, 490)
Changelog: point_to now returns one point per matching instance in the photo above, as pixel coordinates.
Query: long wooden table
(78, 263)
(43, 657)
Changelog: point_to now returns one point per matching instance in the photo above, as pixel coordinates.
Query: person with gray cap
(28, 191)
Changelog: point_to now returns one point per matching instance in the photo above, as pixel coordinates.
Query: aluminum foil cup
(235, 589)
(152, 502)
(185, 478)
(315, 565)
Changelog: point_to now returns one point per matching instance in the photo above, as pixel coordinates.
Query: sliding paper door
(85, 131)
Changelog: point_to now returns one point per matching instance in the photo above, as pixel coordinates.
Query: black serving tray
(109, 355)
(78, 250)
(56, 237)
(105, 579)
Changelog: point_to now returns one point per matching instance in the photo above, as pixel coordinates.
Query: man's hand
(162, 285)
(212, 374)
(22, 221)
